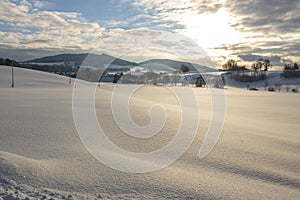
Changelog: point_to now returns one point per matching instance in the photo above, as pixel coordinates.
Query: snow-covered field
(274, 79)
(41, 155)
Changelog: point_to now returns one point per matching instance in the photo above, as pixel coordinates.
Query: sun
(211, 30)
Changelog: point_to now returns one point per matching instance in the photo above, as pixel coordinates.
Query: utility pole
(12, 77)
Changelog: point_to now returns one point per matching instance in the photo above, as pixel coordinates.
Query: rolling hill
(99, 60)
(164, 64)
(82, 58)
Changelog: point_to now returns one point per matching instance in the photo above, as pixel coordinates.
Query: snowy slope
(273, 78)
(257, 156)
(30, 78)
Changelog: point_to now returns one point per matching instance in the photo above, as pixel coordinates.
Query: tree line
(290, 66)
(9, 62)
(261, 64)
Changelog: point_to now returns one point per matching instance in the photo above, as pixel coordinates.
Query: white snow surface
(41, 155)
(273, 78)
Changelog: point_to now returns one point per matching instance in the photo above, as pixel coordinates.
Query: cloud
(209, 6)
(115, 23)
(270, 27)
(20, 54)
(269, 16)
(254, 57)
(26, 27)
(263, 48)
(258, 26)
(166, 14)
(255, 27)
(159, 6)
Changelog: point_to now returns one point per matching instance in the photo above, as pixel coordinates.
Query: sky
(223, 29)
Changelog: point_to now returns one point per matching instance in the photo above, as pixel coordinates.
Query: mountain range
(100, 60)
(80, 59)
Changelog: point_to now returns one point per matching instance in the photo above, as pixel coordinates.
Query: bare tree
(184, 68)
(230, 65)
(296, 66)
(261, 64)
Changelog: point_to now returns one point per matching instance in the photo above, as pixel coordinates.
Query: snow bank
(41, 155)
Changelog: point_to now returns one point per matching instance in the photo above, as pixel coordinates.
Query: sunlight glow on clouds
(222, 27)
(211, 30)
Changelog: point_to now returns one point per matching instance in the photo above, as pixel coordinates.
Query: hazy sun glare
(211, 30)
